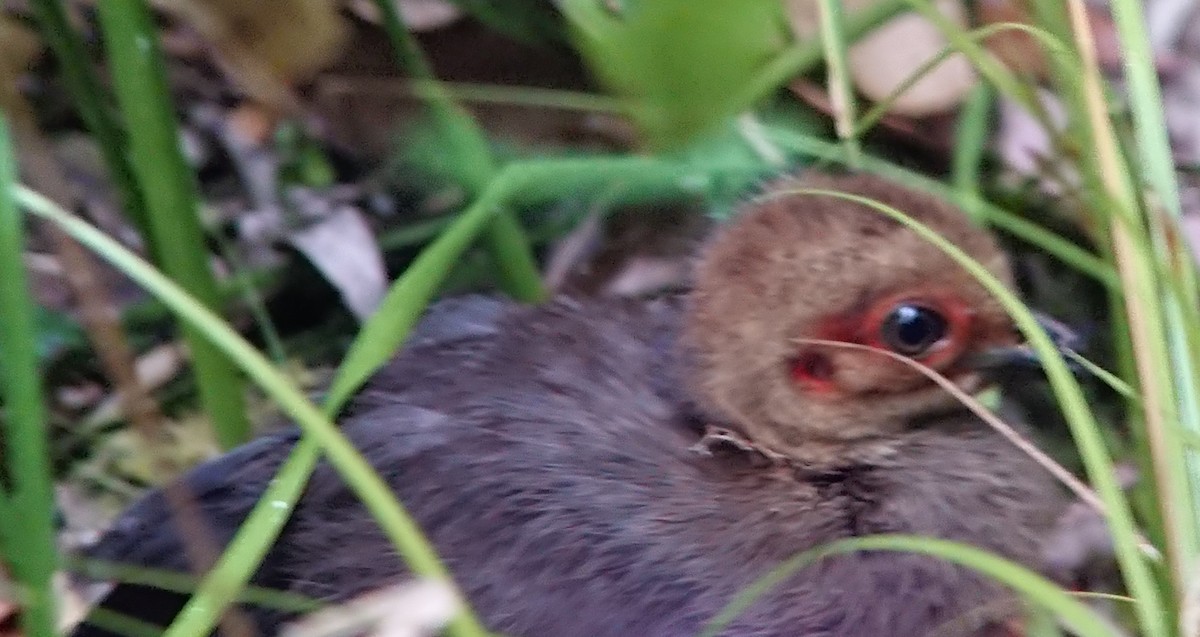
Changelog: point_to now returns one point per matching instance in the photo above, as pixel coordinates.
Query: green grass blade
(28, 508)
(467, 142)
(1080, 144)
(1148, 308)
(170, 191)
(395, 523)
(1032, 586)
(121, 624)
(530, 96)
(184, 582)
(400, 309)
(224, 583)
(988, 66)
(1113, 381)
(1077, 143)
(92, 101)
(1146, 103)
(391, 323)
(518, 271)
(1158, 167)
(683, 64)
(532, 181)
(876, 113)
(970, 145)
(252, 299)
(841, 91)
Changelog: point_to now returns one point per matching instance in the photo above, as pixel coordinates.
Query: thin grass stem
(186, 583)
(1157, 165)
(170, 191)
(990, 68)
(1143, 306)
(362, 480)
(841, 92)
(94, 108)
(970, 146)
(27, 531)
(506, 238)
(805, 55)
(880, 108)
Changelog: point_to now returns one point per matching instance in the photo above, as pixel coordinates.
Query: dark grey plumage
(550, 452)
(546, 451)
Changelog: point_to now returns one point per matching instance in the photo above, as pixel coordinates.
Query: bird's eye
(912, 329)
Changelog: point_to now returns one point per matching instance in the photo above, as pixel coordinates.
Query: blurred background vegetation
(302, 177)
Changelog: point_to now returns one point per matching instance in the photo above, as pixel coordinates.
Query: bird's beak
(1022, 356)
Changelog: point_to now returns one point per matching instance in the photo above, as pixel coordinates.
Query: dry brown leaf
(153, 368)
(10, 609)
(804, 15)
(342, 246)
(19, 49)
(1023, 53)
(419, 15)
(933, 134)
(412, 609)
(1017, 49)
(885, 58)
(267, 45)
(254, 124)
(70, 604)
(1027, 149)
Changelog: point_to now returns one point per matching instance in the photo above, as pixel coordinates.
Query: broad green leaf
(681, 63)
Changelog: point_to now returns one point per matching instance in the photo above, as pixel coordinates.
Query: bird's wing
(147, 534)
(453, 333)
(224, 490)
(227, 488)
(458, 319)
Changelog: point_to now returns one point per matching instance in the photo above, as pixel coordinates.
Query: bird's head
(793, 268)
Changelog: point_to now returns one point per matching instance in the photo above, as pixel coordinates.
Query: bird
(616, 466)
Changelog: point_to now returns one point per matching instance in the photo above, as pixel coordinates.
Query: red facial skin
(813, 370)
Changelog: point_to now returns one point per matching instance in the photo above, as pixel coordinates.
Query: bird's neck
(725, 436)
(816, 456)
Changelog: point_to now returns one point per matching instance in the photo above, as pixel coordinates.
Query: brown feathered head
(794, 267)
